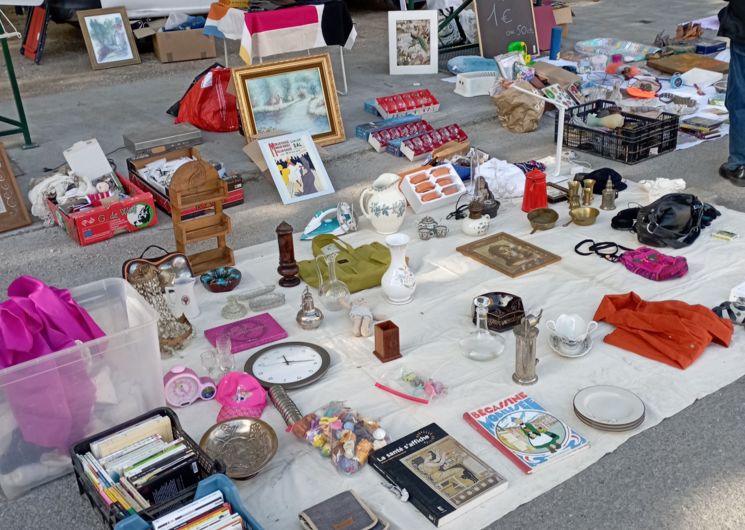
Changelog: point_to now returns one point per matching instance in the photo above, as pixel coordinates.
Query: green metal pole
(17, 96)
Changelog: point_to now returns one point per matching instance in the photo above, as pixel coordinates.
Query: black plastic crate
(630, 144)
(110, 516)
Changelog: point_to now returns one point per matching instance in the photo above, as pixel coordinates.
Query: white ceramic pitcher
(384, 204)
(181, 297)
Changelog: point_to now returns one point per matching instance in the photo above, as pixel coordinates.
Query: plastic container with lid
(124, 367)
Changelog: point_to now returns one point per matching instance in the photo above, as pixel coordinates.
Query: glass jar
(482, 344)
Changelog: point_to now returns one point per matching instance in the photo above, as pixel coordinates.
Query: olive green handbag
(360, 268)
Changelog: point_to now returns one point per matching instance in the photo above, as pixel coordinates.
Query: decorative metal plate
(245, 446)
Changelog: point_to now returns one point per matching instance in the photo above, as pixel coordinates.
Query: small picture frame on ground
(108, 37)
(296, 167)
(13, 212)
(412, 42)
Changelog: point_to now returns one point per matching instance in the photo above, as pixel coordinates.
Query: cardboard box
(235, 196)
(183, 45)
(132, 214)
(554, 74)
(563, 17)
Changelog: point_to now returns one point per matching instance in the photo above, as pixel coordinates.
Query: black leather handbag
(674, 220)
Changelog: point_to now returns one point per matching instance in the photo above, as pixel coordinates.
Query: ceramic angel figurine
(362, 318)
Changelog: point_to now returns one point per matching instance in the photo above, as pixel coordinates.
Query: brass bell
(608, 201)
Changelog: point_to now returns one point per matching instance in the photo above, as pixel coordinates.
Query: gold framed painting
(508, 254)
(108, 37)
(13, 212)
(290, 96)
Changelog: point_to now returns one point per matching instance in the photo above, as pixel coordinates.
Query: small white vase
(398, 282)
(384, 204)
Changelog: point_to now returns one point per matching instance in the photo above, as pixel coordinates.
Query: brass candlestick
(288, 268)
(588, 192)
(573, 195)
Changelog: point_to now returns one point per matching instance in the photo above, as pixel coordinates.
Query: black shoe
(735, 176)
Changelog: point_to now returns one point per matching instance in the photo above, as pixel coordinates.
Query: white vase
(384, 204)
(398, 282)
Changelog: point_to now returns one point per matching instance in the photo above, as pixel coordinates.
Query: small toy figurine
(362, 318)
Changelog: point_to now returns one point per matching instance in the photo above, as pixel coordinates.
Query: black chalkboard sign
(501, 22)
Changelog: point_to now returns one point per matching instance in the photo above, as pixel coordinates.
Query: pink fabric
(653, 264)
(281, 19)
(51, 403)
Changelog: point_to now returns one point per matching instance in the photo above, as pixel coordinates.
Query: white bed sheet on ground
(431, 326)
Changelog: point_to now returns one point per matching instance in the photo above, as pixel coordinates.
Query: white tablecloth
(431, 326)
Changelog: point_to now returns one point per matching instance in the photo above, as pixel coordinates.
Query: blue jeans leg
(736, 105)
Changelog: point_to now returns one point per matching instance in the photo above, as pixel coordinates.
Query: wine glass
(224, 356)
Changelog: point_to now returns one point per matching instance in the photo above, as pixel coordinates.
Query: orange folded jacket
(671, 331)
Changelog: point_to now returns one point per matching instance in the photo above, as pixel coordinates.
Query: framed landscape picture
(13, 212)
(296, 167)
(108, 37)
(412, 42)
(295, 95)
(508, 254)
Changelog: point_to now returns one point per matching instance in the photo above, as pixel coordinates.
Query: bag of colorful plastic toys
(410, 385)
(342, 434)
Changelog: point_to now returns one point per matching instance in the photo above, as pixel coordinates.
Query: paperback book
(442, 478)
(524, 432)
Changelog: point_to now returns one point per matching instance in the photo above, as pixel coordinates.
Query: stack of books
(211, 512)
(140, 466)
(702, 128)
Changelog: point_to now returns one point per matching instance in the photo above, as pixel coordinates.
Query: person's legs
(735, 102)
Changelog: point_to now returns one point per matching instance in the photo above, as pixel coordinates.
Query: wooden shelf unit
(196, 183)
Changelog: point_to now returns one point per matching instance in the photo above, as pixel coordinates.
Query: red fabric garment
(671, 331)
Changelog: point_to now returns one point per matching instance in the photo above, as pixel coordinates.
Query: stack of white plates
(609, 408)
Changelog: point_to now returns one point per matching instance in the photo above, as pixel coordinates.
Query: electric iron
(337, 221)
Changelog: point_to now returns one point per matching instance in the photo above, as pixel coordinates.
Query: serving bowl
(221, 279)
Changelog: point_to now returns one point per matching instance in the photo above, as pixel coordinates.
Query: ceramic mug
(571, 330)
(181, 298)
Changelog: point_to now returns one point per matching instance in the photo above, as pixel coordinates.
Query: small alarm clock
(183, 387)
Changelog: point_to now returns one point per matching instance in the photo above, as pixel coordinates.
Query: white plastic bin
(100, 384)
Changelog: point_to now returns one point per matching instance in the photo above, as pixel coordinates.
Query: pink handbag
(51, 401)
(644, 261)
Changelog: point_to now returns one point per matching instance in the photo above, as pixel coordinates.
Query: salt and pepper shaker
(608, 201)
(288, 268)
(525, 360)
(309, 316)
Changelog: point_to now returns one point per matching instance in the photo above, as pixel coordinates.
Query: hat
(601, 177)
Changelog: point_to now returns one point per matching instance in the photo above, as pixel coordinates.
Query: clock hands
(287, 362)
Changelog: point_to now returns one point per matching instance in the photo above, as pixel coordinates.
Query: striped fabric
(224, 22)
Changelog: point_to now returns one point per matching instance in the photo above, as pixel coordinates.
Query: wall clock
(289, 364)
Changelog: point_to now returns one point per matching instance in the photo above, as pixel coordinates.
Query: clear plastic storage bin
(79, 391)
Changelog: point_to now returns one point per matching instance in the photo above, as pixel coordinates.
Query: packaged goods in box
(421, 145)
(414, 102)
(122, 367)
(380, 139)
(183, 45)
(159, 189)
(131, 214)
(428, 188)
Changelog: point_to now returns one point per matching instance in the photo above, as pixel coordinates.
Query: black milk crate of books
(207, 467)
(630, 144)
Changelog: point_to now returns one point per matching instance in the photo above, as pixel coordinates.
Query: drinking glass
(209, 361)
(224, 356)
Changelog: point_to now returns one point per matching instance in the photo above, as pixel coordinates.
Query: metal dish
(542, 219)
(584, 216)
(221, 279)
(244, 445)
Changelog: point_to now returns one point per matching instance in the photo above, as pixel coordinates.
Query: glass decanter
(333, 293)
(482, 344)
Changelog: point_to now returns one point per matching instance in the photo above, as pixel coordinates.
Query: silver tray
(245, 446)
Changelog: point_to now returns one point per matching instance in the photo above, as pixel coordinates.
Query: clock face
(182, 391)
(290, 364)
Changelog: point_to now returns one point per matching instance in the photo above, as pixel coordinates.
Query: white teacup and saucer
(570, 335)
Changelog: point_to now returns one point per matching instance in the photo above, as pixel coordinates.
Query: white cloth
(430, 328)
(661, 186)
(504, 179)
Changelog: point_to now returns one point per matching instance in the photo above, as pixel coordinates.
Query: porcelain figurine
(398, 282)
(384, 204)
(475, 224)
